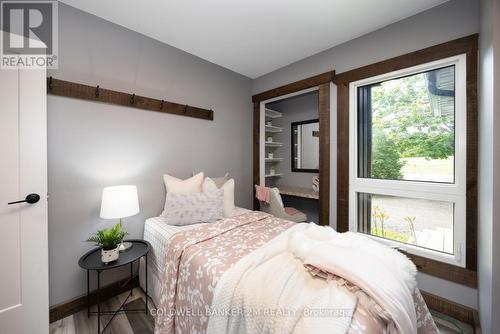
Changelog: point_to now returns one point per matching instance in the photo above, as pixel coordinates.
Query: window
(407, 160)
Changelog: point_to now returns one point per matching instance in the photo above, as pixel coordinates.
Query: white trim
(448, 192)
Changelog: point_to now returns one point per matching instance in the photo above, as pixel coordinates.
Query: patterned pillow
(186, 209)
(228, 188)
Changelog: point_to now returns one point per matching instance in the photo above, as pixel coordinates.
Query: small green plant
(108, 238)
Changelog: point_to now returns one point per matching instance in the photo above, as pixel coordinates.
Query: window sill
(443, 270)
(436, 268)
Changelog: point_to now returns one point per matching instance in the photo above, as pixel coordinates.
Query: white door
(24, 306)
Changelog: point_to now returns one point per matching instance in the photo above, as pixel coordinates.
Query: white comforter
(270, 290)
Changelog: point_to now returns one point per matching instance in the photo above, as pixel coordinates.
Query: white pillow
(188, 186)
(228, 187)
(219, 181)
(187, 209)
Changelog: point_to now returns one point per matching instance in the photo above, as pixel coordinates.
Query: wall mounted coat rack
(96, 93)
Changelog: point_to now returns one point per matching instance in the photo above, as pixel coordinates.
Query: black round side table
(92, 261)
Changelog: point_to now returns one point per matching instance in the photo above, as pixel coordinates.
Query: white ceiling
(253, 37)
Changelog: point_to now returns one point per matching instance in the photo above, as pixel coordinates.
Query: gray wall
(453, 19)
(295, 109)
(94, 145)
(489, 153)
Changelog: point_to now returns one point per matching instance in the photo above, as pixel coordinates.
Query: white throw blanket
(383, 273)
(270, 291)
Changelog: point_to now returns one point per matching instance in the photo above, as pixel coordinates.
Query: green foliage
(108, 238)
(402, 112)
(386, 159)
(390, 234)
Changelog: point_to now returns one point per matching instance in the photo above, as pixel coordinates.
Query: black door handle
(30, 199)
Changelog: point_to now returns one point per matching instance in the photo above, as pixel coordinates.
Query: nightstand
(92, 261)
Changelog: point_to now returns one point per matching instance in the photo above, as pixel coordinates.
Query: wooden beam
(436, 52)
(295, 86)
(445, 271)
(342, 157)
(457, 311)
(324, 153)
(98, 94)
(256, 152)
(78, 304)
(477, 323)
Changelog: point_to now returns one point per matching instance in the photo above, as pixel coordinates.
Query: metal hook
(97, 91)
(161, 104)
(132, 99)
(50, 83)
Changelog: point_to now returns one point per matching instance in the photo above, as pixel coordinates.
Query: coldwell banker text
(28, 34)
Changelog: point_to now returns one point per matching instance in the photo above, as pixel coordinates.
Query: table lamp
(119, 202)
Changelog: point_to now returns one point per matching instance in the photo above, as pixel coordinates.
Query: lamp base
(124, 246)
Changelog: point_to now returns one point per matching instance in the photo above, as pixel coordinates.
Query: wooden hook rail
(96, 93)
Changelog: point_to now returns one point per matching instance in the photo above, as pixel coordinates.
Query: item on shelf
(270, 123)
(270, 155)
(315, 183)
(272, 171)
(270, 139)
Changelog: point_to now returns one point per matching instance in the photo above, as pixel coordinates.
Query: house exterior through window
(407, 159)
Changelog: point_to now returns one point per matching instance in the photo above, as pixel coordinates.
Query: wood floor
(133, 323)
(140, 323)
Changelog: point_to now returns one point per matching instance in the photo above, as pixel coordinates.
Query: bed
(158, 233)
(193, 269)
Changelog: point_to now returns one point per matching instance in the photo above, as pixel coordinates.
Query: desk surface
(298, 191)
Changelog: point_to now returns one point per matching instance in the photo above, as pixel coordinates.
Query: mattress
(158, 233)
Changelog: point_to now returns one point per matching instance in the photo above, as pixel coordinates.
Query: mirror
(305, 146)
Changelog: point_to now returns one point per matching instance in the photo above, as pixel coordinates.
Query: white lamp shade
(119, 202)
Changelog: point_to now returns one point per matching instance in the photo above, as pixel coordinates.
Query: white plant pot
(110, 255)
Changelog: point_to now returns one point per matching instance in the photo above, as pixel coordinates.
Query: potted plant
(110, 240)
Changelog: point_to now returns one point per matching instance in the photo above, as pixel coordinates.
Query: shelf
(271, 128)
(274, 175)
(273, 144)
(273, 114)
(273, 159)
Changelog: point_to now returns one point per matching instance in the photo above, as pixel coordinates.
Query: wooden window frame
(322, 81)
(466, 45)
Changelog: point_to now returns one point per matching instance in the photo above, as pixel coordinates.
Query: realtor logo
(28, 36)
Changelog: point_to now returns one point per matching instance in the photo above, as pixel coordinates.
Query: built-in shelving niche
(271, 130)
